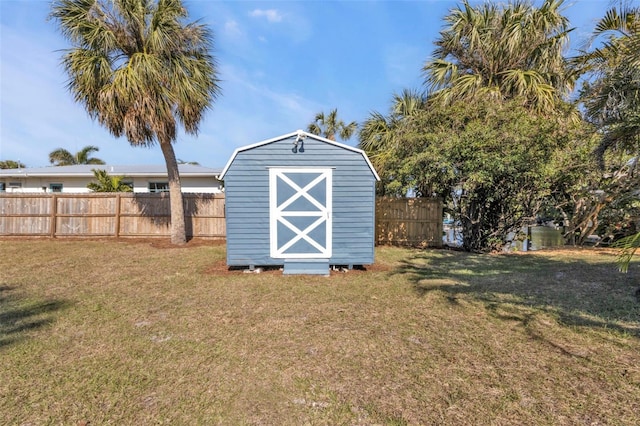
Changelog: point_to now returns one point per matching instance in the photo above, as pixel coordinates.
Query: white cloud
(298, 30)
(272, 15)
(232, 28)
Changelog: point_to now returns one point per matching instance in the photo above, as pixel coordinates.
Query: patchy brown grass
(138, 332)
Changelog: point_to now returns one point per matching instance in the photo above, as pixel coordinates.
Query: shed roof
(303, 134)
(85, 170)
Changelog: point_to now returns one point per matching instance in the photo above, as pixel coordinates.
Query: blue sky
(280, 63)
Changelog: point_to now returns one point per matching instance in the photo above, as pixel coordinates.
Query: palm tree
(329, 125)
(62, 157)
(619, 33)
(140, 70)
(380, 136)
(503, 52)
(107, 183)
(193, 163)
(612, 98)
(11, 164)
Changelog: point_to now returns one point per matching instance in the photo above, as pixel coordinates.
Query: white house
(74, 179)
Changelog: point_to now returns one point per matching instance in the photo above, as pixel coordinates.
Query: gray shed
(299, 201)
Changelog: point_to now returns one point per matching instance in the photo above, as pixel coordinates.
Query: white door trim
(277, 213)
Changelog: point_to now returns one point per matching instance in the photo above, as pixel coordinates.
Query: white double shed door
(300, 219)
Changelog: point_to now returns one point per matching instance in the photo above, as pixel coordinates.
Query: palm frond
(628, 247)
(61, 157)
(314, 129)
(408, 102)
(439, 73)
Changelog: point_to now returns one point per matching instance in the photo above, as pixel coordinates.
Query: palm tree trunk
(178, 234)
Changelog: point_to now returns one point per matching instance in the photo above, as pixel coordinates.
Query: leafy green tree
(11, 164)
(329, 125)
(140, 70)
(504, 52)
(62, 157)
(489, 162)
(108, 183)
(582, 197)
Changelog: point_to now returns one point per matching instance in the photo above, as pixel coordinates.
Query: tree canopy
(502, 51)
(490, 163)
(11, 164)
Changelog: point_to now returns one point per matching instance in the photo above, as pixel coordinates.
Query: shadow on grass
(576, 291)
(19, 316)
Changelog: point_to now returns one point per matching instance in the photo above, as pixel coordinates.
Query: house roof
(302, 134)
(86, 170)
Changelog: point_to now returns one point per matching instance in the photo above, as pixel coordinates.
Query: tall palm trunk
(178, 233)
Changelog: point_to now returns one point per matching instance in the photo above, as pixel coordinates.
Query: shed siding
(247, 200)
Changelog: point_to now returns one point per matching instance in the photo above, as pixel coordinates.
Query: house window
(158, 186)
(55, 187)
(3, 187)
(129, 184)
(15, 186)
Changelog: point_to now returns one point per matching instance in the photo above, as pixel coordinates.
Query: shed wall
(247, 201)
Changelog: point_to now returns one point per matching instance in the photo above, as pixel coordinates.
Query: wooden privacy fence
(399, 221)
(409, 221)
(108, 215)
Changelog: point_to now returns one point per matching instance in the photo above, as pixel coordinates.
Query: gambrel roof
(303, 135)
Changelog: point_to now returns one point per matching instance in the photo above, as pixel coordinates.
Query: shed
(302, 202)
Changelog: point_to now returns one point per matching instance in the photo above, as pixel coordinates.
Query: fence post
(54, 212)
(118, 201)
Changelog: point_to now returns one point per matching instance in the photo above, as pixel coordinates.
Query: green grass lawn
(113, 332)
